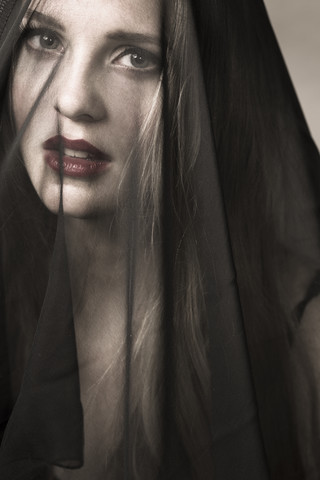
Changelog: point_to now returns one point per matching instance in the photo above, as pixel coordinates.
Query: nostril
(74, 114)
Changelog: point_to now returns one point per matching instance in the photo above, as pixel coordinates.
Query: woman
(127, 354)
(96, 133)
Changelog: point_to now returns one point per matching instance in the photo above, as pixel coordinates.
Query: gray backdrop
(297, 26)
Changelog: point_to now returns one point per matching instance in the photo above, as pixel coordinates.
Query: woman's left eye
(44, 39)
(138, 59)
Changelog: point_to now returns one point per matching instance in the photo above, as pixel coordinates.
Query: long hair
(192, 380)
(25, 252)
(191, 377)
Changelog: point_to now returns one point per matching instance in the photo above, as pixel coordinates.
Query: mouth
(75, 158)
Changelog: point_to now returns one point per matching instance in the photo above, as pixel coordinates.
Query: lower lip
(76, 167)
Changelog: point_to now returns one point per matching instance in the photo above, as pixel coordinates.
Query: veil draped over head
(159, 232)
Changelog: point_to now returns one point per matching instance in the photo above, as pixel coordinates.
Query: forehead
(95, 15)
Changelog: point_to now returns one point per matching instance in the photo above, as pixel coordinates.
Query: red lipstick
(79, 158)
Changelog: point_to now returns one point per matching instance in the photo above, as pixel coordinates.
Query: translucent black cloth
(225, 383)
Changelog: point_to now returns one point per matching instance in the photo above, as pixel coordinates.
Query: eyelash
(139, 53)
(32, 31)
(136, 53)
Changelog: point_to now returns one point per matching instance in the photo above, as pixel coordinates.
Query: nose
(79, 97)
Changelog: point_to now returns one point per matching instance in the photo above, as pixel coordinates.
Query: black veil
(189, 351)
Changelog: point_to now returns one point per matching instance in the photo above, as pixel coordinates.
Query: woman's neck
(95, 244)
(97, 265)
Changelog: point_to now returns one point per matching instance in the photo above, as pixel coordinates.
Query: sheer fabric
(159, 245)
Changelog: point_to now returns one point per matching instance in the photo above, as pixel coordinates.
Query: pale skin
(109, 73)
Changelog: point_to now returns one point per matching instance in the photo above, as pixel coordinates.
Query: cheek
(128, 104)
(19, 100)
(22, 95)
(27, 83)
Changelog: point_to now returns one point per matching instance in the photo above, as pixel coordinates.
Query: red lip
(73, 166)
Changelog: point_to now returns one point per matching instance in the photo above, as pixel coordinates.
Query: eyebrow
(135, 37)
(41, 17)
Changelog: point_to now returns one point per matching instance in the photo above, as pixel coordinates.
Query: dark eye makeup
(42, 39)
(47, 41)
(138, 58)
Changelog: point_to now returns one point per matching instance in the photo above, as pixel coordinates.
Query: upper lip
(59, 142)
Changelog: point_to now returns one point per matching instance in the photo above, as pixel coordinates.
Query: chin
(76, 204)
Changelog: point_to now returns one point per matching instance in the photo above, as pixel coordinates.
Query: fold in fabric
(46, 424)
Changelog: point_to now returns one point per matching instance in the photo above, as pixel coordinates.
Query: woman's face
(108, 55)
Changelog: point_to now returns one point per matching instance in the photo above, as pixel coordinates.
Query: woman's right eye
(44, 40)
